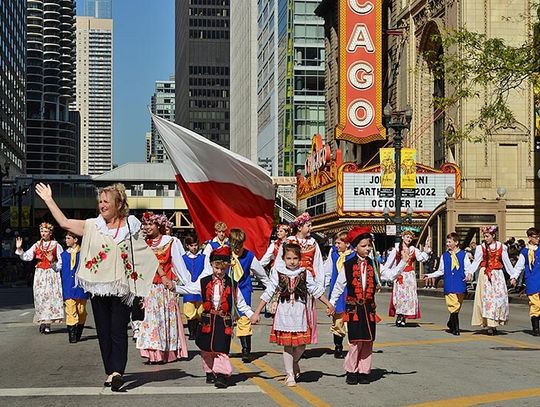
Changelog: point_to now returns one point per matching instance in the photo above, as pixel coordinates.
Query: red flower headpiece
(153, 218)
(491, 229)
(301, 220)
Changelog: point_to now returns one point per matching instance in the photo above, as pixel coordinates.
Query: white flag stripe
(197, 159)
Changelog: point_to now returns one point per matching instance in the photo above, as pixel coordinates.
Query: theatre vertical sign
(360, 76)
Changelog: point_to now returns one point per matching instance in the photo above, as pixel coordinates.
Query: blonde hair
(118, 193)
(237, 236)
(220, 226)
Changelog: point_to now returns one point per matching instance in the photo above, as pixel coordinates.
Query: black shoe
(80, 329)
(117, 382)
(352, 378)
(41, 328)
(107, 384)
(72, 333)
(363, 378)
(221, 381)
(47, 329)
(338, 352)
(210, 378)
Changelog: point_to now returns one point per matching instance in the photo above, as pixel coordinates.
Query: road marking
(426, 342)
(272, 392)
(142, 390)
(302, 392)
(482, 398)
(25, 313)
(514, 342)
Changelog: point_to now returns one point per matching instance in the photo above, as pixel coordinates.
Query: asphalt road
(413, 365)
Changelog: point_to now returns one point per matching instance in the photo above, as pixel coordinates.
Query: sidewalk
(438, 292)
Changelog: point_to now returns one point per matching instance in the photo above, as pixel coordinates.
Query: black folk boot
(246, 348)
(450, 324)
(80, 329)
(72, 333)
(535, 326)
(456, 324)
(338, 351)
(192, 328)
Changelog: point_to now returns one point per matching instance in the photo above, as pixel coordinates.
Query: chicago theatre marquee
(368, 66)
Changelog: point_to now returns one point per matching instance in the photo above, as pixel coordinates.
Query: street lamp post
(397, 121)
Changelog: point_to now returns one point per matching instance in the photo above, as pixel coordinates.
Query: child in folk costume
(339, 253)
(242, 265)
(404, 300)
(269, 257)
(161, 336)
(195, 264)
(216, 328)
(455, 266)
(357, 276)
(529, 263)
(48, 300)
(219, 240)
(74, 297)
(291, 327)
(491, 307)
(311, 259)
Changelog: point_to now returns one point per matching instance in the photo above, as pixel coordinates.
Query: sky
(143, 52)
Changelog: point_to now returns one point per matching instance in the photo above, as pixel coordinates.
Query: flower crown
(301, 220)
(491, 229)
(154, 218)
(46, 225)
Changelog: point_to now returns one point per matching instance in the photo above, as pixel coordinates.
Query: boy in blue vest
(219, 240)
(74, 297)
(529, 263)
(455, 265)
(195, 263)
(244, 263)
(340, 253)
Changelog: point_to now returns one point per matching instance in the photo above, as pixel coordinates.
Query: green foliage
(477, 67)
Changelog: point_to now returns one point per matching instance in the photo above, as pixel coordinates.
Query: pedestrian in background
(404, 300)
(116, 266)
(161, 336)
(455, 266)
(528, 265)
(75, 298)
(491, 307)
(195, 264)
(47, 288)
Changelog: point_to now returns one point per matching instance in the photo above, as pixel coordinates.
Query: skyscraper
(162, 105)
(202, 67)
(96, 8)
(95, 93)
(290, 83)
(244, 32)
(52, 133)
(12, 84)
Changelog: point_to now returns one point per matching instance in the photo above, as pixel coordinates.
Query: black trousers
(111, 316)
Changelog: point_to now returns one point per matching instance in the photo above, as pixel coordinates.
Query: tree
(476, 66)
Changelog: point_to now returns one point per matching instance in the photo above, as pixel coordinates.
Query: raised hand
(44, 191)
(18, 243)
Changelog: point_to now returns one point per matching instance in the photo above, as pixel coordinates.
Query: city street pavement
(416, 365)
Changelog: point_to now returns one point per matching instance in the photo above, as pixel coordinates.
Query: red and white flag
(219, 185)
